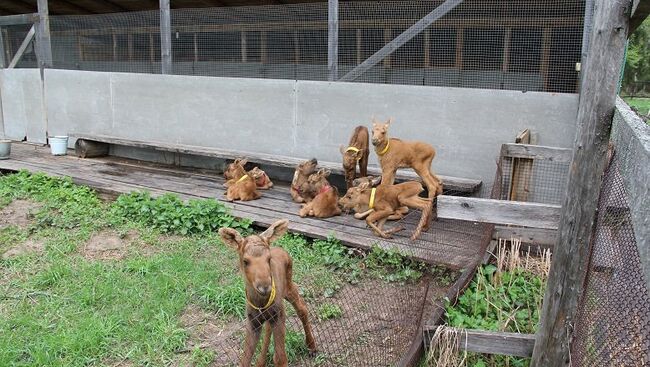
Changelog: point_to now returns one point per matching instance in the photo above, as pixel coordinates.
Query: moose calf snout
(375, 141)
(263, 289)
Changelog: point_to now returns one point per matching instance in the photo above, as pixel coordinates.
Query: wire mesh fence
(515, 45)
(370, 323)
(534, 180)
(613, 323)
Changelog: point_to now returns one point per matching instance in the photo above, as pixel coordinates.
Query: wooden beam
(506, 50)
(332, 39)
(493, 211)
(460, 45)
(21, 50)
(43, 42)
(196, 47)
(359, 46)
(595, 112)
(527, 235)
(165, 37)
(539, 152)
(400, 40)
(3, 62)
(244, 46)
(17, 19)
(546, 56)
(491, 342)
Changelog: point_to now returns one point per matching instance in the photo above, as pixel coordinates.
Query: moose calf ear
(243, 161)
(275, 231)
(341, 149)
(231, 237)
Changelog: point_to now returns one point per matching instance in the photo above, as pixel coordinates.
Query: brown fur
(234, 171)
(389, 199)
(260, 265)
(262, 180)
(303, 170)
(359, 140)
(404, 154)
(325, 202)
(241, 188)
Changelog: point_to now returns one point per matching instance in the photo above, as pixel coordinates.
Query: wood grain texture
(527, 235)
(502, 212)
(595, 112)
(494, 342)
(561, 155)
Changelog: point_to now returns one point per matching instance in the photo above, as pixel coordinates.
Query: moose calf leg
(301, 309)
(375, 217)
(261, 360)
(252, 337)
(279, 332)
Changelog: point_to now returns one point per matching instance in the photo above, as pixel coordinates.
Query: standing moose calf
(267, 274)
(395, 153)
(356, 153)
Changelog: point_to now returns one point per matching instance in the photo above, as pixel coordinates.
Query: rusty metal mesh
(613, 323)
(376, 324)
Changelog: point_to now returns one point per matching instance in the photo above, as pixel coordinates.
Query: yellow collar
(269, 303)
(353, 149)
(386, 148)
(371, 204)
(242, 178)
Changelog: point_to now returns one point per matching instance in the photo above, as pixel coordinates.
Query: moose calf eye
(245, 262)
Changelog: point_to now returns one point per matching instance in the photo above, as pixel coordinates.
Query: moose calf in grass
(267, 274)
(395, 153)
(325, 202)
(356, 153)
(384, 202)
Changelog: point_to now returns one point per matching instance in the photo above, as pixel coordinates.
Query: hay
(444, 349)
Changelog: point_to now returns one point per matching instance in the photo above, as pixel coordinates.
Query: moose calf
(242, 187)
(267, 273)
(356, 153)
(303, 170)
(326, 196)
(262, 180)
(395, 153)
(378, 204)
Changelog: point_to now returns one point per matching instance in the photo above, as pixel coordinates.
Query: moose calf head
(235, 169)
(379, 131)
(255, 254)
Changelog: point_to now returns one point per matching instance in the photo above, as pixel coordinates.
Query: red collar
(325, 189)
(263, 178)
(297, 189)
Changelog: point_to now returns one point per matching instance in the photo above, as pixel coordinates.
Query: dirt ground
(18, 213)
(377, 324)
(29, 246)
(110, 245)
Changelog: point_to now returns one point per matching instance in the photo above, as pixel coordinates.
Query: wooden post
(595, 112)
(296, 47)
(359, 50)
(460, 44)
(152, 54)
(43, 42)
(165, 37)
(333, 39)
(427, 48)
(388, 35)
(196, 48)
(264, 55)
(546, 56)
(506, 51)
(244, 47)
(3, 63)
(114, 36)
(129, 45)
(80, 48)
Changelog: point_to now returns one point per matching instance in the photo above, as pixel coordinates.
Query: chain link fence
(514, 45)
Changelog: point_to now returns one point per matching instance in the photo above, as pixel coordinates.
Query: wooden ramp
(455, 244)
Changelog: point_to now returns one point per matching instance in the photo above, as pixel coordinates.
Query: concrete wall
(631, 138)
(304, 118)
(23, 112)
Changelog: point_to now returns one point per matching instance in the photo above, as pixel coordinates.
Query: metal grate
(613, 323)
(514, 45)
(534, 180)
(375, 328)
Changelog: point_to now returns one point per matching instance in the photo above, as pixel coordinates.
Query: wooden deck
(451, 243)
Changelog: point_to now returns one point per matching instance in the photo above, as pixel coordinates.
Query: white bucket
(59, 145)
(5, 148)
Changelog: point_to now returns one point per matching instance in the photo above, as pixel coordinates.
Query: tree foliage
(637, 64)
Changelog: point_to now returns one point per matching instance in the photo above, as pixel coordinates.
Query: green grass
(61, 309)
(642, 105)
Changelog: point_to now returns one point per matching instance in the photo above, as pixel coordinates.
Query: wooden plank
(3, 62)
(400, 40)
(540, 152)
(23, 46)
(595, 112)
(165, 37)
(527, 235)
(522, 172)
(460, 45)
(517, 213)
(43, 42)
(506, 52)
(333, 39)
(493, 342)
(244, 46)
(546, 56)
(450, 183)
(18, 19)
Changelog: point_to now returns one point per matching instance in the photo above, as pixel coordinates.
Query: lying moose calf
(378, 204)
(267, 274)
